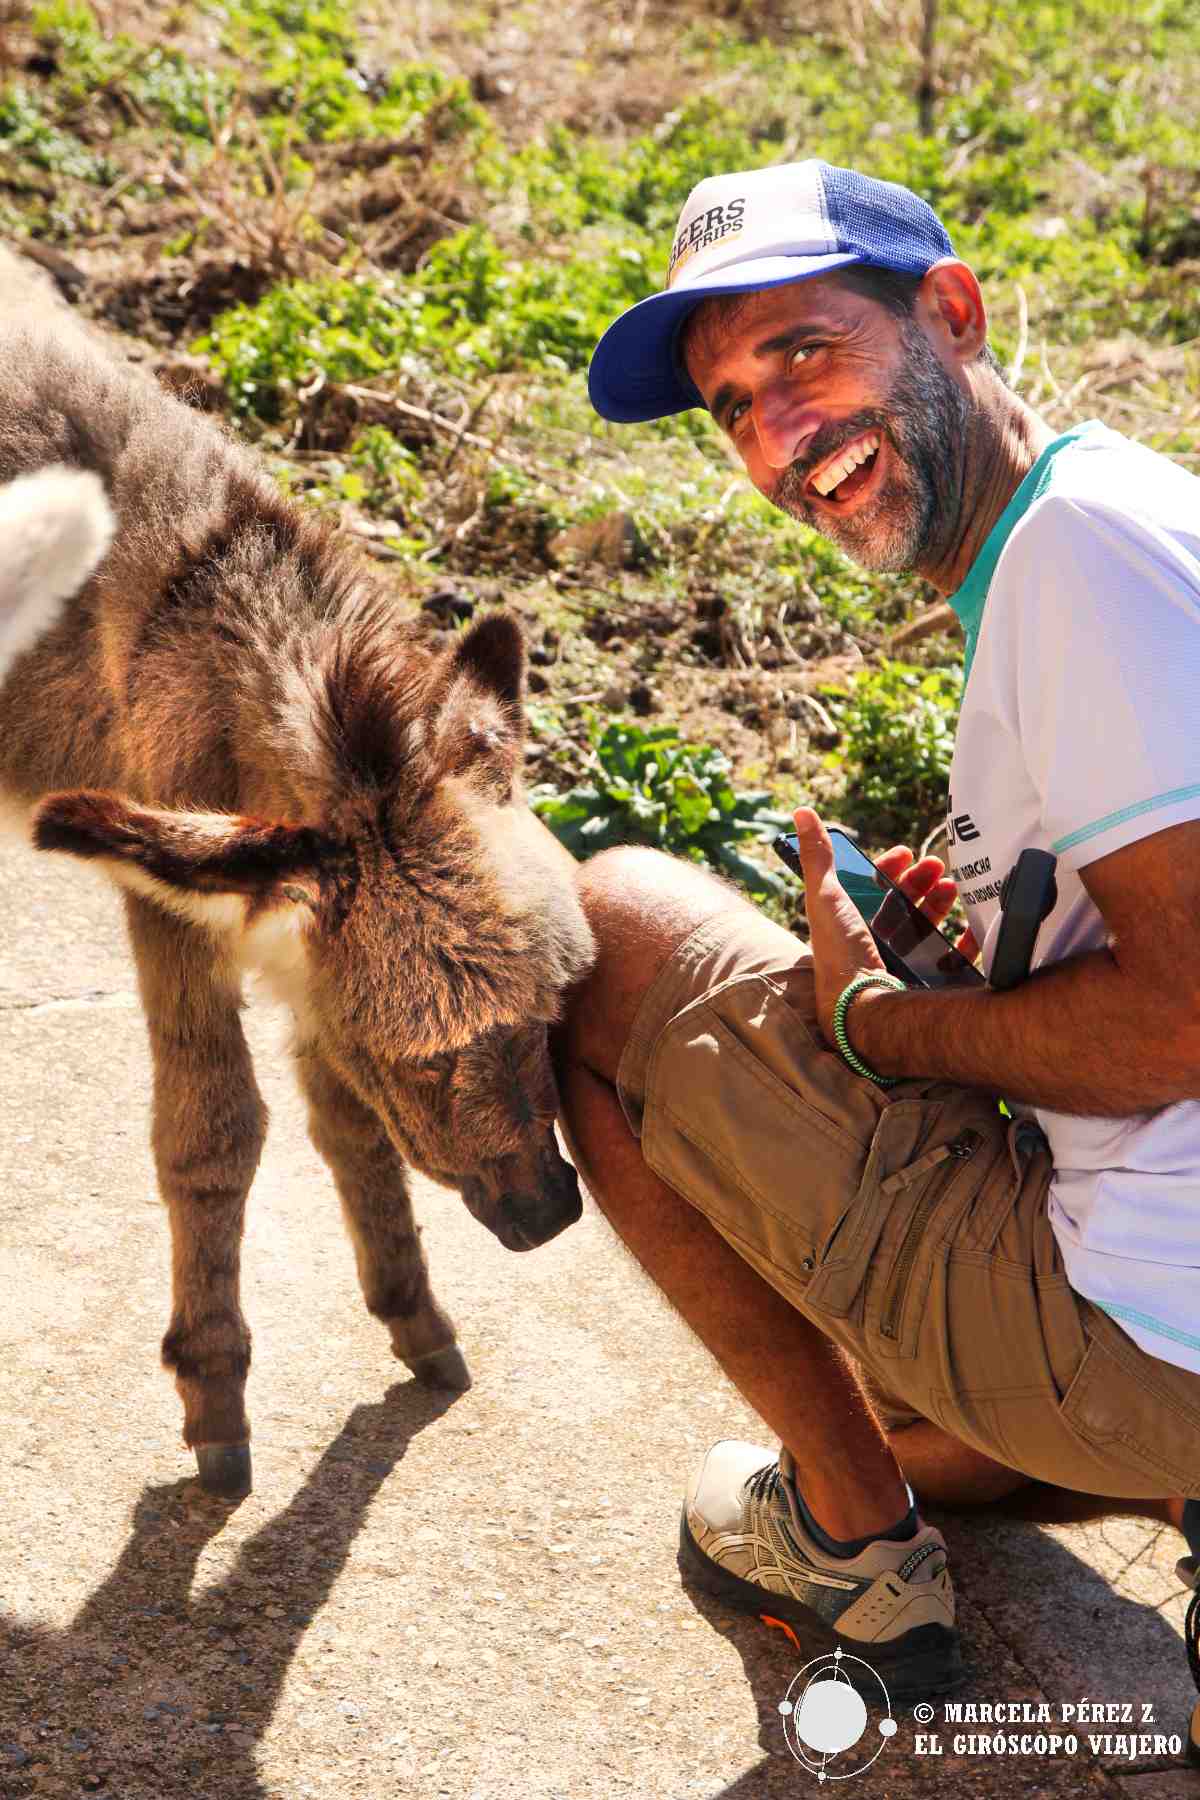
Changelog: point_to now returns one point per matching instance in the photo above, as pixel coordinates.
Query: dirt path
(472, 1597)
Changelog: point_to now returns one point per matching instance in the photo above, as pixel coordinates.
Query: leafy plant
(650, 787)
(469, 309)
(898, 738)
(383, 476)
(28, 135)
(166, 88)
(346, 330)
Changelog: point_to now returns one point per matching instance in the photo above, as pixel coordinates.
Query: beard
(924, 421)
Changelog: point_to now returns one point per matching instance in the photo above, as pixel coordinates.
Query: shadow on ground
(187, 1686)
(986, 1554)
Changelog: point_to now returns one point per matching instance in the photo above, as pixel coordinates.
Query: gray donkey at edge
(231, 718)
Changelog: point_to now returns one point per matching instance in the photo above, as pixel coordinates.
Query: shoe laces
(765, 1483)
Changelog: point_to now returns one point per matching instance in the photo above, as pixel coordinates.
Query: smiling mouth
(844, 476)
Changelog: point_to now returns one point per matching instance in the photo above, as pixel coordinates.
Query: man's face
(843, 414)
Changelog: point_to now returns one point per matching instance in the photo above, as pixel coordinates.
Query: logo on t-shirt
(960, 827)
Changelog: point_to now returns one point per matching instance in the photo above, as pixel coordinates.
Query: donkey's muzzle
(523, 1221)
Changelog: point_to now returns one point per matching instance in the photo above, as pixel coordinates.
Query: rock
(613, 540)
(448, 605)
(487, 86)
(614, 698)
(644, 699)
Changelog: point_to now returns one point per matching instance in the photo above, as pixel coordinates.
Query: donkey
(232, 720)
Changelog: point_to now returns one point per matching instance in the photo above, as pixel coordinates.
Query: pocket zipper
(959, 1151)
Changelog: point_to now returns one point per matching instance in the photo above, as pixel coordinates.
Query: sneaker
(893, 1605)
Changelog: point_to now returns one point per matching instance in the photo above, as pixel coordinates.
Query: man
(903, 1282)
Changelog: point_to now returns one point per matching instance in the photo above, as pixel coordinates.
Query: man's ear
(492, 653)
(193, 863)
(954, 301)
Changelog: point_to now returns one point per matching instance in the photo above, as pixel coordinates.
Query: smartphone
(909, 942)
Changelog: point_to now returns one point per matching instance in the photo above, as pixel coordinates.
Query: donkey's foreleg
(209, 1125)
(373, 1186)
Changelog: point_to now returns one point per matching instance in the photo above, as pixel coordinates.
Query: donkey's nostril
(526, 1223)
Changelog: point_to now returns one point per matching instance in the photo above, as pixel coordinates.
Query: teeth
(836, 472)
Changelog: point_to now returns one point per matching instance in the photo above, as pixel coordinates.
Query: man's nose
(784, 423)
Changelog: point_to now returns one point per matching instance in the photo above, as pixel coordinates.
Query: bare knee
(644, 903)
(641, 905)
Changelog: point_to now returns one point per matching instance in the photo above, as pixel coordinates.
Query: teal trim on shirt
(969, 601)
(1125, 812)
(1149, 1324)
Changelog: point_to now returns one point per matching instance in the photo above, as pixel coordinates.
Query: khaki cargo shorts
(909, 1223)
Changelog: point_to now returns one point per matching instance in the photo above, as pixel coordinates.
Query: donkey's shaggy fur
(256, 749)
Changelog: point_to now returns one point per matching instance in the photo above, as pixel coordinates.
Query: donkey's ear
(190, 862)
(493, 654)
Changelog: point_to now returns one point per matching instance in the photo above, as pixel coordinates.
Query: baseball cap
(759, 229)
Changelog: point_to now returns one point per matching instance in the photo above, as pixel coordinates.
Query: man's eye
(801, 351)
(736, 414)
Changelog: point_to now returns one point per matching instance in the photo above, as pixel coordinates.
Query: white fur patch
(55, 528)
(273, 947)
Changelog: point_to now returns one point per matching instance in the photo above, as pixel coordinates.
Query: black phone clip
(1028, 892)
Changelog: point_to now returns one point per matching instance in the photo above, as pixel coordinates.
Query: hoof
(442, 1369)
(224, 1469)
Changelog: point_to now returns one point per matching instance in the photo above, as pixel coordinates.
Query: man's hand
(1104, 1033)
(842, 944)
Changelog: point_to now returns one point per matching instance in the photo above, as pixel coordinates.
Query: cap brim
(635, 375)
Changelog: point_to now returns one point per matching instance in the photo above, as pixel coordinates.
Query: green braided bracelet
(872, 978)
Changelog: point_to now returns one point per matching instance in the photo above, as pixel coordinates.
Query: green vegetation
(305, 54)
(152, 85)
(648, 787)
(897, 737)
(396, 245)
(473, 310)
(29, 137)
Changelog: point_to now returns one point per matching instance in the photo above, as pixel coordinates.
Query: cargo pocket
(1134, 1413)
(898, 1301)
(898, 1155)
(734, 1122)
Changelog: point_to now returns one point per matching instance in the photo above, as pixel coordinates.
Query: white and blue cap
(759, 229)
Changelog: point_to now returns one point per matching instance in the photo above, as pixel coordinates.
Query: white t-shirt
(1078, 734)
